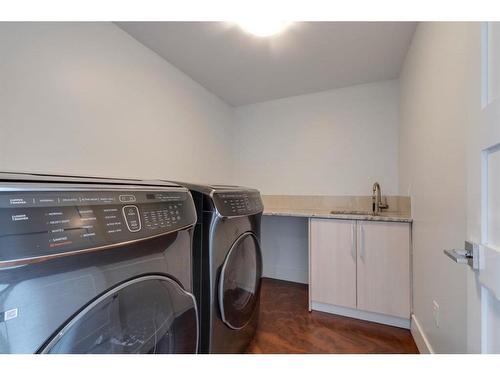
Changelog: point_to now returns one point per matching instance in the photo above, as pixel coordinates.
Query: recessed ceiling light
(263, 28)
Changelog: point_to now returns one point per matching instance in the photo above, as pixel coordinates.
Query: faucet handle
(383, 205)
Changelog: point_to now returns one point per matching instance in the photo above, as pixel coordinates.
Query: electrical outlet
(435, 313)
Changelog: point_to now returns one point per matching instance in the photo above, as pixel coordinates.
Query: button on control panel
(163, 216)
(132, 218)
(237, 205)
(127, 198)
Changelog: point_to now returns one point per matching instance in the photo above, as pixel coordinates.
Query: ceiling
(307, 57)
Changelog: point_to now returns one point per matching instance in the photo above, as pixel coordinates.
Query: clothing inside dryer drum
(240, 282)
(150, 316)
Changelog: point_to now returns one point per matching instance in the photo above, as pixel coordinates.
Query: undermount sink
(351, 212)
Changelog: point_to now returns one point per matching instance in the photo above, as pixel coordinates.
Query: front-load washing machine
(95, 266)
(227, 265)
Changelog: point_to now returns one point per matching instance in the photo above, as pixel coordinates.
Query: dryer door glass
(150, 314)
(239, 283)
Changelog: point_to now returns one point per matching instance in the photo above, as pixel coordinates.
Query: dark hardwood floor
(286, 326)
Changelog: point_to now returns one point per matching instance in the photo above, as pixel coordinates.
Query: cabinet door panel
(333, 262)
(383, 268)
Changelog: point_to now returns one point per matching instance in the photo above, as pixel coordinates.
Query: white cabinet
(383, 268)
(360, 269)
(333, 262)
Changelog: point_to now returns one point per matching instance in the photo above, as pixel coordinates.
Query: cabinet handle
(362, 242)
(353, 240)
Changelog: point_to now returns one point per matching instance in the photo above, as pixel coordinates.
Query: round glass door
(239, 283)
(150, 314)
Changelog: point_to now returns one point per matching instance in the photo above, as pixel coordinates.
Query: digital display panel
(238, 203)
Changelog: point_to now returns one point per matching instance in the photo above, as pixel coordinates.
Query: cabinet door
(383, 268)
(333, 262)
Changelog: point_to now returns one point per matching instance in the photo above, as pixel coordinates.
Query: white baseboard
(423, 345)
(362, 315)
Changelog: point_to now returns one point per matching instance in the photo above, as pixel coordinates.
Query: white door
(483, 188)
(333, 262)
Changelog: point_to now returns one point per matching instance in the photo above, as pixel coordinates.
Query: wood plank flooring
(286, 326)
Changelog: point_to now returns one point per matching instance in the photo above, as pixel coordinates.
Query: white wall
(284, 242)
(335, 142)
(87, 98)
(433, 169)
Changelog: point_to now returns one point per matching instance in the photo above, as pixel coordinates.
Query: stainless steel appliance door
(239, 282)
(149, 314)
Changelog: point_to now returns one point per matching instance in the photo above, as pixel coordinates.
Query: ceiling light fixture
(263, 28)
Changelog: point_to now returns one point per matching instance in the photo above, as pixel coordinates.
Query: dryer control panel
(238, 203)
(40, 224)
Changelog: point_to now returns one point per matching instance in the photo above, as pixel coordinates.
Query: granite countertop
(339, 214)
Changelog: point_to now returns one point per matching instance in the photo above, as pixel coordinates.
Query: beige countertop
(328, 215)
(322, 207)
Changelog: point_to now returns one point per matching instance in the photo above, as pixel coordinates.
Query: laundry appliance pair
(95, 265)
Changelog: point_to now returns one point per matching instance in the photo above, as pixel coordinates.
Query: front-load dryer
(228, 265)
(95, 266)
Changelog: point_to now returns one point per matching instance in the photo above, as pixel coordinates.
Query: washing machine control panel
(238, 203)
(40, 224)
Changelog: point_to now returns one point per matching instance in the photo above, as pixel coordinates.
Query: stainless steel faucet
(377, 204)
